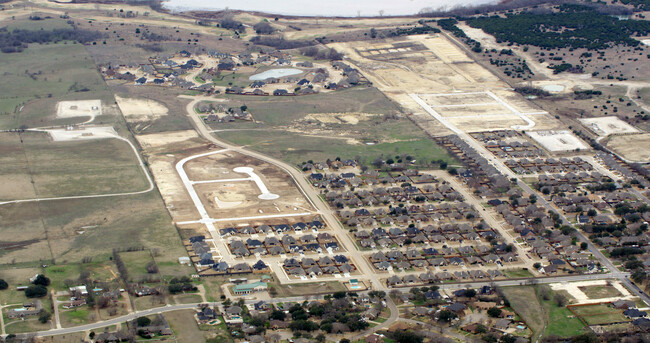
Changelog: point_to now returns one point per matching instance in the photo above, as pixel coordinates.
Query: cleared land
(628, 146)
(605, 126)
(556, 141)
(79, 108)
(466, 94)
(137, 110)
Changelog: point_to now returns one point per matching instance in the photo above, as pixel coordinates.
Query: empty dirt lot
(447, 79)
(628, 146)
(221, 199)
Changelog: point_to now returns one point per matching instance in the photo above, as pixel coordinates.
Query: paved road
(304, 186)
(391, 305)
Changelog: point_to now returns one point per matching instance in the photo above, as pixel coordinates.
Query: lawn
(187, 298)
(136, 263)
(561, 322)
(149, 302)
(599, 314)
(599, 292)
(78, 316)
(517, 273)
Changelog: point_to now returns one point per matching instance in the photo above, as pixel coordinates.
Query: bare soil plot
(605, 126)
(137, 110)
(435, 100)
(79, 108)
(245, 192)
(628, 146)
(487, 123)
(177, 140)
(476, 110)
(555, 141)
(600, 291)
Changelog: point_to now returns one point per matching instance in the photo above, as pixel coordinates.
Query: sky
(345, 8)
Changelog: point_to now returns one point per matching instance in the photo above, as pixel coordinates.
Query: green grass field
(136, 263)
(599, 314)
(543, 317)
(517, 273)
(282, 131)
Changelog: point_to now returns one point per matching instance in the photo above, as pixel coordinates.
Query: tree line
(571, 26)
(18, 40)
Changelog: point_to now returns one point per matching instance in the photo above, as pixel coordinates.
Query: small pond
(277, 73)
(553, 88)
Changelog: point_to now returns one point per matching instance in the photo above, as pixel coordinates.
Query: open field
(47, 74)
(184, 326)
(542, 315)
(283, 145)
(34, 166)
(353, 122)
(524, 301)
(73, 229)
(628, 146)
(136, 263)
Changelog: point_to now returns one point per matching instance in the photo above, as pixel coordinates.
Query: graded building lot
(79, 108)
(597, 291)
(628, 146)
(605, 126)
(447, 80)
(137, 110)
(557, 141)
